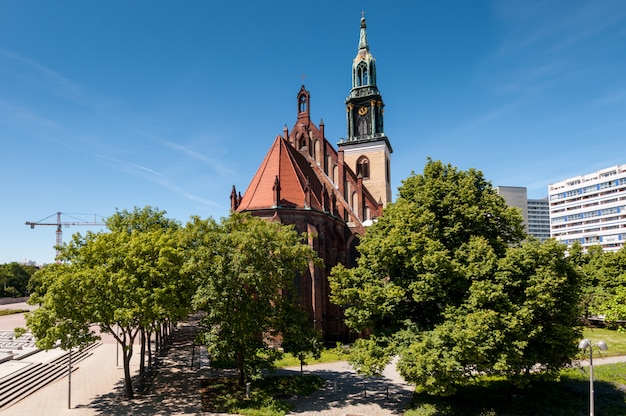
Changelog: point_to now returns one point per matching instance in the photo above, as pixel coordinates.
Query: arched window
(363, 167)
(302, 103)
(362, 75)
(335, 175)
(354, 202)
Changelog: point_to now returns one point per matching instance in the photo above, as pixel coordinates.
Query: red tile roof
(293, 171)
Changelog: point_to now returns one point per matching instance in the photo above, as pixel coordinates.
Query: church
(333, 195)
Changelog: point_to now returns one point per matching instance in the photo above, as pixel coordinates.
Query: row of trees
(14, 279)
(148, 272)
(447, 279)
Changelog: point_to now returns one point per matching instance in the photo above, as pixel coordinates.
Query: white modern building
(590, 209)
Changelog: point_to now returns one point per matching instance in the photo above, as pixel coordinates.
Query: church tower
(367, 150)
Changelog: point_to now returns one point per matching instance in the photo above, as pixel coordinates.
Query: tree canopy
(14, 279)
(604, 283)
(245, 269)
(444, 280)
(124, 281)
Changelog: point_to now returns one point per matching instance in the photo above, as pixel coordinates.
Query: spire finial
(363, 35)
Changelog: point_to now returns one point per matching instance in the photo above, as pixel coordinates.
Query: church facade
(331, 194)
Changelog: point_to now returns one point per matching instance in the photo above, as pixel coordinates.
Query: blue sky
(117, 104)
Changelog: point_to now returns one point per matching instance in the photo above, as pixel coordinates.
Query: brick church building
(333, 195)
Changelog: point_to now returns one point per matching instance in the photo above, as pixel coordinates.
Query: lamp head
(602, 345)
(584, 344)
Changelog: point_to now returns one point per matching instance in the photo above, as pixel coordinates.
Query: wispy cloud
(14, 114)
(221, 168)
(101, 130)
(68, 87)
(156, 177)
(613, 98)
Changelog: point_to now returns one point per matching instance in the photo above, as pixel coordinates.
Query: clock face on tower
(362, 111)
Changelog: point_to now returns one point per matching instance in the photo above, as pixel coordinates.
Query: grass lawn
(11, 311)
(568, 396)
(271, 396)
(615, 340)
(327, 356)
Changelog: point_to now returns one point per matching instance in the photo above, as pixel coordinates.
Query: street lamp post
(583, 345)
(69, 381)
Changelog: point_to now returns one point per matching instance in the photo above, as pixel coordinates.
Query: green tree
(444, 281)
(14, 278)
(245, 268)
(123, 280)
(599, 277)
(605, 283)
(299, 336)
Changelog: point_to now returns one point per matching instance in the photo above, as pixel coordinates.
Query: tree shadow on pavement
(345, 389)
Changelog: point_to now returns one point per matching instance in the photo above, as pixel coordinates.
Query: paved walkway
(347, 393)
(97, 385)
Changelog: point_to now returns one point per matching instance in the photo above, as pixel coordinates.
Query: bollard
(365, 389)
(247, 390)
(387, 393)
(335, 386)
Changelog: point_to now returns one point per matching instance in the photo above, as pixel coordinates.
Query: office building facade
(534, 211)
(590, 209)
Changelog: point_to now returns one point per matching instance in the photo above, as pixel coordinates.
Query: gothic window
(363, 125)
(363, 167)
(302, 143)
(302, 103)
(354, 202)
(362, 76)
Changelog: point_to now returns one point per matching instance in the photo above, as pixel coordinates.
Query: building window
(363, 167)
(302, 103)
(362, 75)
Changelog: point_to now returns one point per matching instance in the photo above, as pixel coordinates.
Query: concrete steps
(29, 379)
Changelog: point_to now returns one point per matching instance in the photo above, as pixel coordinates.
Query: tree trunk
(142, 355)
(149, 336)
(241, 369)
(128, 382)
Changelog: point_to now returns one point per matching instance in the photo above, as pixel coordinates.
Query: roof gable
(294, 174)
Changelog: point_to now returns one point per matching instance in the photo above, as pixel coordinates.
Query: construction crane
(60, 224)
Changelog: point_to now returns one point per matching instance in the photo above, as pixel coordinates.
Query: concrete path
(97, 385)
(347, 393)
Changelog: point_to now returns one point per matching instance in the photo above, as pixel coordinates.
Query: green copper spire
(364, 64)
(363, 37)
